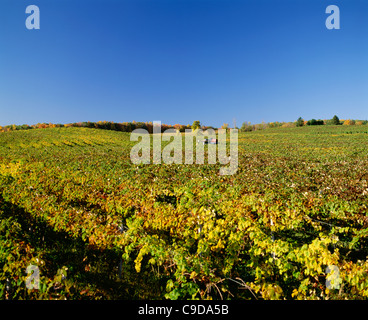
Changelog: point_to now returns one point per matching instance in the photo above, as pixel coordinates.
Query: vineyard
(97, 226)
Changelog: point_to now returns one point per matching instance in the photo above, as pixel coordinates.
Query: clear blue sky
(182, 60)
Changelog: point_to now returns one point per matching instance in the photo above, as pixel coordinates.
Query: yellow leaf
(295, 293)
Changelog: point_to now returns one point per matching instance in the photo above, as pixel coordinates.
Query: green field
(99, 227)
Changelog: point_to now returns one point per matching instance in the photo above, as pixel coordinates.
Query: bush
(246, 127)
(315, 122)
(300, 122)
(349, 122)
(335, 120)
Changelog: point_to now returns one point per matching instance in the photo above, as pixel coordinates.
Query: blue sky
(182, 60)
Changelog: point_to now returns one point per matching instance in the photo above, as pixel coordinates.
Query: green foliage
(72, 203)
(196, 125)
(335, 120)
(246, 127)
(300, 122)
(315, 122)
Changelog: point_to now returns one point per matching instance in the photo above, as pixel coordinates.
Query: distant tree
(260, 126)
(288, 125)
(225, 126)
(315, 122)
(274, 124)
(196, 125)
(178, 127)
(335, 120)
(246, 127)
(204, 128)
(24, 127)
(300, 122)
(349, 122)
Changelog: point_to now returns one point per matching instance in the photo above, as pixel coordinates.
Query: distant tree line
(300, 122)
(334, 121)
(108, 125)
(130, 126)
